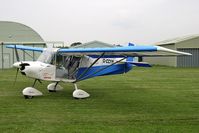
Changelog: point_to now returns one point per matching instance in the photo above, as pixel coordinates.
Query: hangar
(94, 44)
(188, 44)
(13, 33)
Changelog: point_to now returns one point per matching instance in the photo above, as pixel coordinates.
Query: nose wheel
(30, 92)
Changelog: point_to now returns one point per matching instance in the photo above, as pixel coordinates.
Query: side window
(67, 66)
(53, 60)
(59, 61)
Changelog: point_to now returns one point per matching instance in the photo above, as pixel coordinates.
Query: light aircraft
(76, 64)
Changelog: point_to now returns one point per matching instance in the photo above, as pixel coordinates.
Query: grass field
(158, 99)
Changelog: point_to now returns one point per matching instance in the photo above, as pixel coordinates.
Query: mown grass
(158, 99)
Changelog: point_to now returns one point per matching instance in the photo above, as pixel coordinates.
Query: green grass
(158, 99)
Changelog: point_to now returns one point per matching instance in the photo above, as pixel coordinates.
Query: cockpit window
(67, 66)
(47, 57)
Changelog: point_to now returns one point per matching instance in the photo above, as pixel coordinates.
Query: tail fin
(129, 66)
(130, 58)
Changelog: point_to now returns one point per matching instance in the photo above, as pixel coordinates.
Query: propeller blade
(16, 76)
(16, 52)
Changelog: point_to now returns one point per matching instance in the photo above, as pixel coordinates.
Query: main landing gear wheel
(53, 87)
(28, 97)
(80, 94)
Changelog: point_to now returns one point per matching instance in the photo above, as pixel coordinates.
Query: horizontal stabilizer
(140, 64)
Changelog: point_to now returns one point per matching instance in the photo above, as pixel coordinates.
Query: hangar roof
(177, 40)
(94, 44)
(17, 32)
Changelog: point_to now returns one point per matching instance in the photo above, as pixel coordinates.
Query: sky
(110, 21)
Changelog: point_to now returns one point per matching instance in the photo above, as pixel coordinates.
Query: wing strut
(101, 69)
(28, 54)
(85, 71)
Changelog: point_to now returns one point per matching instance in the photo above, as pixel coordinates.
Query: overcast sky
(111, 21)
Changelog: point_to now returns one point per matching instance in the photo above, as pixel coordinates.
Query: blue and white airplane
(77, 64)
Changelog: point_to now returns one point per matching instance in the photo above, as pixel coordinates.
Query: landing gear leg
(54, 88)
(79, 94)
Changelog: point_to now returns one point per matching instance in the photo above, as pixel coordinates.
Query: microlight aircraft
(76, 64)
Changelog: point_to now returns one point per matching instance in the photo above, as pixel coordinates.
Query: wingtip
(172, 51)
(188, 54)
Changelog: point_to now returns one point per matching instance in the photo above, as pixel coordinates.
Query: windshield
(47, 56)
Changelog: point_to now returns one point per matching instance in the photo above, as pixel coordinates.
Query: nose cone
(17, 64)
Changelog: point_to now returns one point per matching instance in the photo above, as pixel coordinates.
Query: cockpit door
(67, 66)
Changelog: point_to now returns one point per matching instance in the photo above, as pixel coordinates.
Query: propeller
(16, 76)
(17, 65)
(17, 55)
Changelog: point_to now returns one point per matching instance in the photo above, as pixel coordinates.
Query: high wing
(115, 51)
(28, 48)
(124, 51)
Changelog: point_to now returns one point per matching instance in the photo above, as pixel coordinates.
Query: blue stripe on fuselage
(114, 69)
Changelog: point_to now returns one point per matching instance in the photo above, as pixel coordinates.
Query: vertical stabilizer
(129, 66)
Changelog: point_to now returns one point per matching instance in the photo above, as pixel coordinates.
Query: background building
(13, 33)
(16, 33)
(188, 44)
(94, 44)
